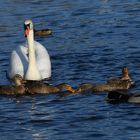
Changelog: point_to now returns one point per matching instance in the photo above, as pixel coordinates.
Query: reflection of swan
(31, 60)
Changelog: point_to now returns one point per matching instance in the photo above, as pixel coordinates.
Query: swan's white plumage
(19, 61)
(30, 60)
(43, 60)
(16, 66)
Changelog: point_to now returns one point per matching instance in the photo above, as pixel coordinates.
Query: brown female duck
(43, 32)
(125, 77)
(16, 89)
(21, 87)
(42, 88)
(123, 85)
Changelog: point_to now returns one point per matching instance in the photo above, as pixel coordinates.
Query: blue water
(92, 40)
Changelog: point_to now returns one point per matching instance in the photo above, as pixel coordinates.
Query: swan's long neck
(31, 50)
(32, 71)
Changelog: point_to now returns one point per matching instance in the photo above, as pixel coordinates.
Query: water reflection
(35, 116)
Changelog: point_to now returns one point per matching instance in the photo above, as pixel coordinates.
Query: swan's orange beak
(26, 32)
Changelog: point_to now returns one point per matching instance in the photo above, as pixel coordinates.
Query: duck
(30, 60)
(42, 32)
(121, 96)
(125, 77)
(16, 89)
(43, 88)
(123, 85)
(22, 87)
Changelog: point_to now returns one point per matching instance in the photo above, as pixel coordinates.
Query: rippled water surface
(92, 40)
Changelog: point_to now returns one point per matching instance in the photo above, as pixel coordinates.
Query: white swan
(30, 60)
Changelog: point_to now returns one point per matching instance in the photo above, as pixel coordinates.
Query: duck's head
(65, 86)
(18, 80)
(28, 26)
(85, 86)
(125, 72)
(125, 75)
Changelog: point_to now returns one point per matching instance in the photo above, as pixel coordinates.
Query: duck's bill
(78, 90)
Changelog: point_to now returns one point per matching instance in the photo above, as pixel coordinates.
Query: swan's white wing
(43, 60)
(16, 66)
(18, 62)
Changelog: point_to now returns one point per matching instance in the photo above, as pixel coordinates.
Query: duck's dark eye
(26, 25)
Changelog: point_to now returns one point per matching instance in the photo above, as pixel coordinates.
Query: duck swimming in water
(43, 32)
(118, 83)
(42, 88)
(123, 85)
(22, 87)
(16, 89)
(125, 77)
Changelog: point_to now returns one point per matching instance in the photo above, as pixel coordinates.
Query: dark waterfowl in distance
(43, 32)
